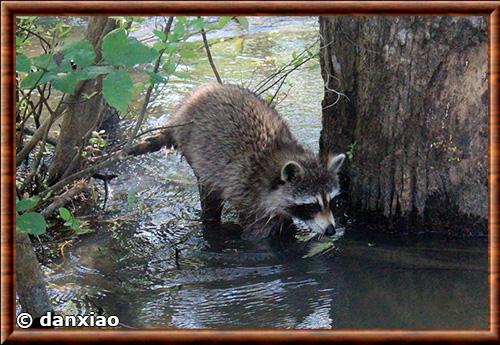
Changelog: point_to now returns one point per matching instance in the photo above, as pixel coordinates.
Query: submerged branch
(151, 144)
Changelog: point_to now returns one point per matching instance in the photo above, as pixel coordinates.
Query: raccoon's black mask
(308, 191)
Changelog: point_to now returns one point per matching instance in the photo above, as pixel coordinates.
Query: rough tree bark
(415, 118)
(81, 116)
(30, 283)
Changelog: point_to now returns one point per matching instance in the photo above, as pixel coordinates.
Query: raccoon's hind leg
(211, 205)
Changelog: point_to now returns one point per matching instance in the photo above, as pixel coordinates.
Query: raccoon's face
(311, 190)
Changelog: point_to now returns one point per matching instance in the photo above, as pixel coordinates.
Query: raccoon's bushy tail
(154, 143)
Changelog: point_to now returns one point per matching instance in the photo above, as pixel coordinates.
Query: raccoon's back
(224, 122)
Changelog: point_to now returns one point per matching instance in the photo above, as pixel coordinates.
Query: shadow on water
(151, 263)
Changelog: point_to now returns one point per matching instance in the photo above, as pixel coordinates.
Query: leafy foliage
(23, 64)
(79, 52)
(75, 61)
(117, 89)
(29, 221)
(66, 61)
(118, 49)
(70, 221)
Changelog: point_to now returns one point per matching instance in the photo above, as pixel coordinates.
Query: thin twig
(35, 34)
(209, 55)
(38, 135)
(284, 76)
(162, 128)
(277, 91)
(147, 97)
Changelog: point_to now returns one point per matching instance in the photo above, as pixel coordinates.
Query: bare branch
(209, 55)
(50, 140)
(147, 97)
(64, 198)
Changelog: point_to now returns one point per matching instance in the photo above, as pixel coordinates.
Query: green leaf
(74, 224)
(45, 61)
(117, 89)
(243, 22)
(171, 48)
(159, 46)
(81, 52)
(319, 248)
(118, 49)
(182, 20)
(113, 45)
(177, 33)
(19, 43)
(156, 78)
(137, 53)
(26, 204)
(23, 63)
(168, 67)
(66, 82)
(31, 222)
(92, 72)
(198, 24)
(160, 34)
(36, 78)
(65, 213)
(223, 21)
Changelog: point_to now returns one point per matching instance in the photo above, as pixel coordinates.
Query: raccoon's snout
(330, 230)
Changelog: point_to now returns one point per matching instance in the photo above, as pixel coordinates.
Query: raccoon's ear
(335, 162)
(291, 171)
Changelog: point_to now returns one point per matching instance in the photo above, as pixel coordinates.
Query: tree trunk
(30, 283)
(81, 116)
(415, 119)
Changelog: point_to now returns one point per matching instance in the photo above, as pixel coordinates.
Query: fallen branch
(150, 144)
(64, 198)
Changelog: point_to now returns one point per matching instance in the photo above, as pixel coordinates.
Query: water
(150, 262)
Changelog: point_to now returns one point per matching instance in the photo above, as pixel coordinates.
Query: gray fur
(237, 146)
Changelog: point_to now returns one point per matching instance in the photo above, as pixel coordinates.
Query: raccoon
(243, 153)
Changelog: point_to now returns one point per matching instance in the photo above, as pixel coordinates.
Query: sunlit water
(151, 263)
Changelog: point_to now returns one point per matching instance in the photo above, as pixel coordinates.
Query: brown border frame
(11, 8)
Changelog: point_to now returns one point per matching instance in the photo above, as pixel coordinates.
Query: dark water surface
(150, 262)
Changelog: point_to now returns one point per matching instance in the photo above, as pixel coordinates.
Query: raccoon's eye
(312, 208)
(305, 211)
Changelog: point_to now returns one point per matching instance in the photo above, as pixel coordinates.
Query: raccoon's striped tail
(153, 143)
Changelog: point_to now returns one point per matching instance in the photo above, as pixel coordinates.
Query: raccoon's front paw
(256, 233)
